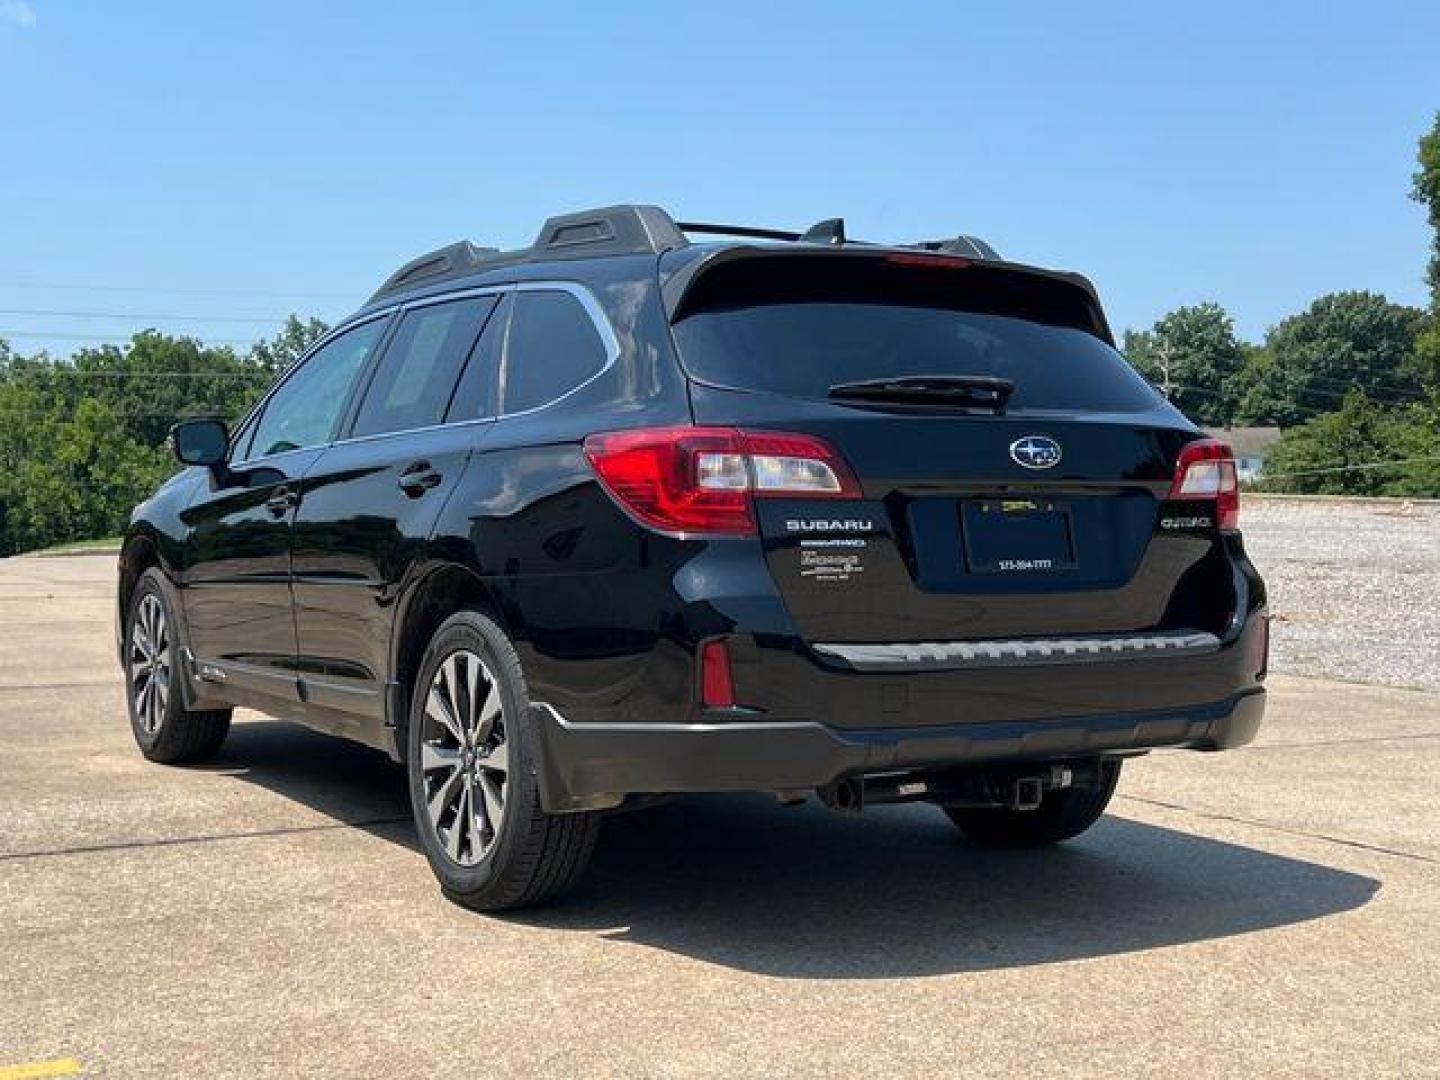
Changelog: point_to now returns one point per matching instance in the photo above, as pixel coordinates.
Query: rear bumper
(593, 765)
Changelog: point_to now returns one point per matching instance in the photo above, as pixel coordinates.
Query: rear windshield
(799, 326)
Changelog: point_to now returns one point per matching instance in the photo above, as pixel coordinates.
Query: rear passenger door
(369, 504)
(531, 502)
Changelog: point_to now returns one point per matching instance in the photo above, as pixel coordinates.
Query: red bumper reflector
(717, 685)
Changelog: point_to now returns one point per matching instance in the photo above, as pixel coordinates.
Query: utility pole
(1166, 386)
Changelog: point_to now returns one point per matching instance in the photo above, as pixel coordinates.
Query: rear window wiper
(942, 391)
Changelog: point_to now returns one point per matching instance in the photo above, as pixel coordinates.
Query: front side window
(415, 379)
(305, 410)
(550, 347)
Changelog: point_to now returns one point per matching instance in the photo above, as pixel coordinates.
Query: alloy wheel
(464, 757)
(149, 663)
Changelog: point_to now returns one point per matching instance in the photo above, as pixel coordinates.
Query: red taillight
(703, 480)
(717, 685)
(1206, 470)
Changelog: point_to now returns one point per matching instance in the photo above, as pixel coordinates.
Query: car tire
(473, 786)
(1061, 815)
(164, 729)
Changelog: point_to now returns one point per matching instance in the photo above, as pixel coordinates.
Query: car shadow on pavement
(805, 893)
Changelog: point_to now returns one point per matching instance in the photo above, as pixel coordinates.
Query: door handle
(280, 502)
(418, 478)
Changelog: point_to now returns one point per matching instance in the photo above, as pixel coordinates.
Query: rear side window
(417, 375)
(475, 396)
(549, 347)
(784, 327)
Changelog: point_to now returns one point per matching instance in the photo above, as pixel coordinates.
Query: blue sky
(242, 160)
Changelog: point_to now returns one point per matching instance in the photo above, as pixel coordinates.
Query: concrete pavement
(1270, 912)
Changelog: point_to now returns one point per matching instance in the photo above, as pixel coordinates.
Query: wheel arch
(434, 596)
(138, 553)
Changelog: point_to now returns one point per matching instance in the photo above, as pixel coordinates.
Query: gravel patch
(1354, 586)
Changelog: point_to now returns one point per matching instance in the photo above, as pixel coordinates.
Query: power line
(1265, 477)
(273, 293)
(1389, 384)
(58, 313)
(119, 339)
(78, 373)
(121, 413)
(1341, 395)
(1405, 396)
(1331, 395)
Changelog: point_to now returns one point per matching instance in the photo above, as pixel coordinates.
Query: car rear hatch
(1013, 472)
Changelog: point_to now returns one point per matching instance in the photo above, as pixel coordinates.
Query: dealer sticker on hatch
(825, 556)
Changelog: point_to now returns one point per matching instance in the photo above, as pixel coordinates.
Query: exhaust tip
(1028, 793)
(844, 796)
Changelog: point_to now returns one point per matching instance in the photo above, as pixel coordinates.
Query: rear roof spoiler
(680, 285)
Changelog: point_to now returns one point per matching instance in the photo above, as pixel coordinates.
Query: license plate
(1017, 536)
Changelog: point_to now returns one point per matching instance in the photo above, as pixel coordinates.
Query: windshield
(800, 337)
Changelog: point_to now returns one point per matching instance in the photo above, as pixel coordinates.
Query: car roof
(579, 244)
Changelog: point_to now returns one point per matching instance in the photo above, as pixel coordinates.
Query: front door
(235, 577)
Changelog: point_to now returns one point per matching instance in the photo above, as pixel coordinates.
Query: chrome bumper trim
(1015, 652)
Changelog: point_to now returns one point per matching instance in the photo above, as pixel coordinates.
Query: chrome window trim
(608, 339)
(457, 424)
(305, 358)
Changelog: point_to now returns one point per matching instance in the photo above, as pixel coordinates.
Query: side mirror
(200, 442)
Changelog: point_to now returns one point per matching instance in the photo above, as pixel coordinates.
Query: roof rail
(611, 230)
(751, 231)
(627, 229)
(971, 246)
(829, 231)
(450, 261)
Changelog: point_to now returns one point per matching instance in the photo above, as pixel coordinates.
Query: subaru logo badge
(1035, 452)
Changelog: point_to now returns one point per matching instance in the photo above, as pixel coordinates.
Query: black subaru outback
(622, 515)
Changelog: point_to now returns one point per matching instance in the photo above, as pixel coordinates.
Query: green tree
(1320, 457)
(276, 354)
(80, 481)
(1362, 448)
(1342, 341)
(1250, 385)
(81, 441)
(1427, 190)
(1414, 438)
(158, 380)
(1427, 354)
(1194, 357)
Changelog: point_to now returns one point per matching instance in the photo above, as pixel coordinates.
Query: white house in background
(1252, 445)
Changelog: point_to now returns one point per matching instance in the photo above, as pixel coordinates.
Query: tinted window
(799, 334)
(240, 444)
(550, 347)
(475, 396)
(417, 374)
(306, 409)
